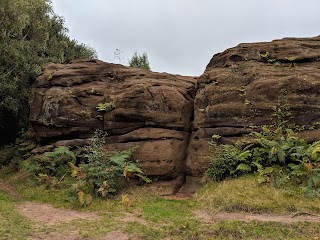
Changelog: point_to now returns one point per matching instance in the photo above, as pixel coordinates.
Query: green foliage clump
(91, 172)
(31, 36)
(102, 174)
(226, 160)
(52, 167)
(139, 61)
(278, 156)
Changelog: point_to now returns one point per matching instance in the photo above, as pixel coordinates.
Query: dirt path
(285, 219)
(7, 188)
(45, 214)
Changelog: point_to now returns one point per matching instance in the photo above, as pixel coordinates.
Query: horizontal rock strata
(241, 88)
(171, 118)
(151, 110)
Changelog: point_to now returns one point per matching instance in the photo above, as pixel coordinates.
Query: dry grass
(245, 194)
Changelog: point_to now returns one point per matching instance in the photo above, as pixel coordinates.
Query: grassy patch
(162, 218)
(266, 230)
(12, 224)
(245, 194)
(144, 232)
(163, 210)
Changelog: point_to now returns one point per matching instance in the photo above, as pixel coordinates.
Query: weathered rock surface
(241, 87)
(171, 118)
(152, 110)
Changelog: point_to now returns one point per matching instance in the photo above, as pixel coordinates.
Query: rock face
(242, 86)
(152, 110)
(171, 118)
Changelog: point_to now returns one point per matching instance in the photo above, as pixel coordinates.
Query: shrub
(91, 172)
(299, 161)
(139, 61)
(102, 174)
(52, 167)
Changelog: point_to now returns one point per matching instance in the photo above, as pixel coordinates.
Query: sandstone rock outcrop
(171, 118)
(242, 86)
(152, 110)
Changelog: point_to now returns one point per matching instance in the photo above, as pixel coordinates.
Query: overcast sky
(181, 36)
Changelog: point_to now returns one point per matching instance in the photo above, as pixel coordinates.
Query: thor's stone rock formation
(242, 86)
(151, 110)
(172, 118)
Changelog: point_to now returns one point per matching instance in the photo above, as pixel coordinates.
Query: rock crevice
(171, 118)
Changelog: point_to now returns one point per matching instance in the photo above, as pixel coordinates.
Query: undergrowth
(90, 172)
(279, 157)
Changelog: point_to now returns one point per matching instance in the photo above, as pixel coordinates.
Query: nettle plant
(277, 155)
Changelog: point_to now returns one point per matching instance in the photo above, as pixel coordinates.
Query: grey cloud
(180, 36)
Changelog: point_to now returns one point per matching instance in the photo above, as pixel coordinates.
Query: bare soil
(45, 213)
(285, 219)
(116, 235)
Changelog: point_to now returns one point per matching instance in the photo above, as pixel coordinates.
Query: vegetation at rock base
(149, 216)
(142, 212)
(89, 173)
(139, 61)
(279, 157)
(31, 35)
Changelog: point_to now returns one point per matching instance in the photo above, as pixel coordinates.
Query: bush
(32, 35)
(100, 174)
(139, 61)
(91, 172)
(52, 167)
(273, 149)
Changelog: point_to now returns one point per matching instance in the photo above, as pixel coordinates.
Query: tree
(31, 35)
(139, 61)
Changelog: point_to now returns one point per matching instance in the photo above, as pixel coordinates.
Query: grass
(12, 224)
(245, 194)
(162, 218)
(266, 230)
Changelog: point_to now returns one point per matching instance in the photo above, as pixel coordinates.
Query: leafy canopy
(31, 35)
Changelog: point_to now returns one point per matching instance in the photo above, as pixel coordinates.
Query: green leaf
(243, 167)
(216, 136)
(245, 155)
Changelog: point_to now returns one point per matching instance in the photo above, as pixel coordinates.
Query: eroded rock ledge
(152, 110)
(241, 86)
(170, 117)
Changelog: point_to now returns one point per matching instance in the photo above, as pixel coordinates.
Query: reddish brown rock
(152, 110)
(241, 87)
(172, 118)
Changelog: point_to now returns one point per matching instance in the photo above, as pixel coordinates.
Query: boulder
(149, 110)
(171, 118)
(253, 85)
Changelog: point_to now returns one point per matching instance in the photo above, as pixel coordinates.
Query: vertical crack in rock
(170, 117)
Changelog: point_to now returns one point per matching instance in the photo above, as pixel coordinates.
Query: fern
(279, 147)
(103, 174)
